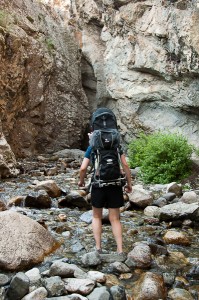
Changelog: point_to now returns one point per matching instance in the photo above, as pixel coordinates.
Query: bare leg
(114, 217)
(97, 226)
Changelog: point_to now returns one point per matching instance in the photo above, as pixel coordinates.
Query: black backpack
(105, 143)
(103, 118)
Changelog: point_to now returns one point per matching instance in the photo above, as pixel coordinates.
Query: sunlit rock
(20, 237)
(150, 286)
(176, 237)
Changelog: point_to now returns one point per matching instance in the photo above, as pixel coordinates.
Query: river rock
(19, 287)
(176, 237)
(50, 187)
(99, 293)
(96, 276)
(156, 248)
(190, 197)
(151, 211)
(179, 294)
(4, 279)
(81, 286)
(39, 199)
(112, 280)
(140, 256)
(87, 216)
(179, 210)
(54, 286)
(194, 272)
(119, 268)
(169, 196)
(91, 259)
(74, 199)
(39, 294)
(112, 257)
(160, 202)
(177, 259)
(140, 197)
(175, 188)
(118, 292)
(33, 275)
(16, 201)
(150, 286)
(20, 237)
(62, 269)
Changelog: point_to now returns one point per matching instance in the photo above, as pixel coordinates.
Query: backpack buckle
(100, 183)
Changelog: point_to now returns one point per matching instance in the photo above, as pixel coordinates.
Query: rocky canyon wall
(140, 58)
(145, 61)
(43, 105)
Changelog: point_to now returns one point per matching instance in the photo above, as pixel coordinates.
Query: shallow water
(136, 227)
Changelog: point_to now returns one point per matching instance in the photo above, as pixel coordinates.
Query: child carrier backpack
(105, 143)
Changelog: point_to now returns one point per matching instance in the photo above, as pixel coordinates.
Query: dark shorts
(108, 197)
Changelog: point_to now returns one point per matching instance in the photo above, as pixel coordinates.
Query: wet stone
(175, 237)
(19, 287)
(180, 294)
(4, 279)
(54, 285)
(177, 263)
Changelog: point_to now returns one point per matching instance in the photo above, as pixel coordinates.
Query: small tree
(162, 157)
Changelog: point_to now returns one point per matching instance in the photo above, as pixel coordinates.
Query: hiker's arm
(127, 171)
(82, 172)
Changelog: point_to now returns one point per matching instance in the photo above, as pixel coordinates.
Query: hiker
(106, 193)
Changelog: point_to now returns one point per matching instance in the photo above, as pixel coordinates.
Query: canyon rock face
(8, 162)
(144, 56)
(140, 58)
(43, 105)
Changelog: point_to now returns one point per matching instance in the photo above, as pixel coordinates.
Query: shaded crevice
(89, 81)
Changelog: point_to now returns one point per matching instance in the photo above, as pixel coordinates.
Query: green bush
(197, 151)
(162, 157)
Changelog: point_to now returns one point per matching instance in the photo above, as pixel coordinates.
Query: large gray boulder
(24, 242)
(178, 211)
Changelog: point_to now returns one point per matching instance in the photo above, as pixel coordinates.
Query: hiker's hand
(128, 188)
(81, 184)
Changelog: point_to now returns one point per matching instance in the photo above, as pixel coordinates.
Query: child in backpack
(109, 196)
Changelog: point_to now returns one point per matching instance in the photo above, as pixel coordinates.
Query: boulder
(24, 242)
(178, 211)
(140, 197)
(177, 238)
(140, 256)
(74, 199)
(190, 197)
(81, 286)
(150, 286)
(39, 199)
(181, 294)
(50, 187)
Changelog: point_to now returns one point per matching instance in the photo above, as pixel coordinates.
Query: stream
(76, 238)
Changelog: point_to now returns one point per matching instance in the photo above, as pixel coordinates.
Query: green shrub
(162, 157)
(197, 151)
